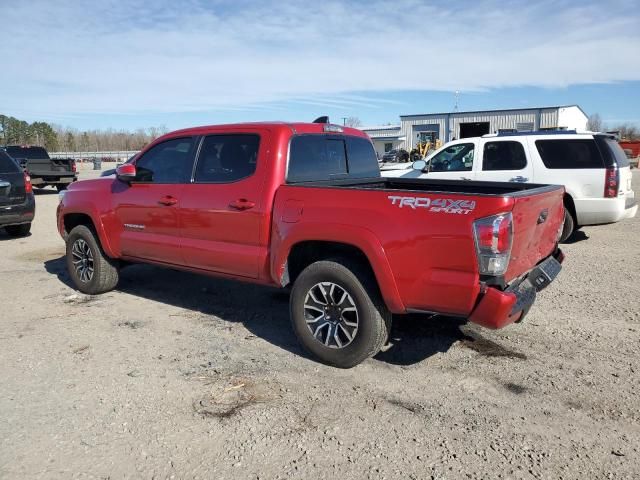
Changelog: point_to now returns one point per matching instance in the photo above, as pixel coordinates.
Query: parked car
(17, 205)
(303, 205)
(592, 167)
(395, 156)
(44, 170)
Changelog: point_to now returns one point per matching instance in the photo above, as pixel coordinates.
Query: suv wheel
(18, 230)
(338, 314)
(90, 269)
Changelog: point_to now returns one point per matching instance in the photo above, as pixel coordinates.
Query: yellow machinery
(426, 143)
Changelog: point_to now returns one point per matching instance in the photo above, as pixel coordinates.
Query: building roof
(381, 127)
(494, 111)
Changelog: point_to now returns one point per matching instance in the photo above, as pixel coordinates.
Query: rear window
(323, 157)
(612, 152)
(29, 153)
(503, 156)
(7, 165)
(569, 154)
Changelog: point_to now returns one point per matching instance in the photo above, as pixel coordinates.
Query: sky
(178, 63)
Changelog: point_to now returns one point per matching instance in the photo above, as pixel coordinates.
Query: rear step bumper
(498, 308)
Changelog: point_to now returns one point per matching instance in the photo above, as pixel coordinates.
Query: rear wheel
(18, 230)
(338, 314)
(90, 269)
(569, 225)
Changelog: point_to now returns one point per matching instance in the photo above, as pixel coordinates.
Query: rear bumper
(596, 211)
(498, 308)
(18, 214)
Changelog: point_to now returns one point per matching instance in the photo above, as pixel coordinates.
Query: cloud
(85, 57)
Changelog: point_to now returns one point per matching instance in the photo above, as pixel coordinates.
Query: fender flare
(357, 237)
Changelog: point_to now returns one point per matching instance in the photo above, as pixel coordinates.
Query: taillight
(74, 167)
(494, 236)
(28, 188)
(611, 182)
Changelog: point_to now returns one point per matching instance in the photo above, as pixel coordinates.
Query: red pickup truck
(303, 205)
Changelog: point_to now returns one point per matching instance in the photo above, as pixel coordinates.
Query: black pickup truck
(44, 170)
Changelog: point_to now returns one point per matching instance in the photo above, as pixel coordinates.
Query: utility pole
(455, 107)
(344, 121)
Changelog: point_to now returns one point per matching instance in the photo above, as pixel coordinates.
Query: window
(7, 165)
(167, 162)
(612, 152)
(456, 158)
(316, 157)
(388, 147)
(362, 161)
(503, 156)
(30, 153)
(227, 158)
(579, 153)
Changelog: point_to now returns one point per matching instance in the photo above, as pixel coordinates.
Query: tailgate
(537, 218)
(49, 167)
(12, 188)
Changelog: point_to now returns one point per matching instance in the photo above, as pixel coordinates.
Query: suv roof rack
(532, 132)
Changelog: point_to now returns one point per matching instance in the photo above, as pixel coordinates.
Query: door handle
(519, 178)
(242, 204)
(168, 201)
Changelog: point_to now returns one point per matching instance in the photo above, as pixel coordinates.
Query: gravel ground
(179, 376)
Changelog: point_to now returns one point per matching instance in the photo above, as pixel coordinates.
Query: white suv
(592, 167)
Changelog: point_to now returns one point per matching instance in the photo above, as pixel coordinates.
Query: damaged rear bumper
(499, 308)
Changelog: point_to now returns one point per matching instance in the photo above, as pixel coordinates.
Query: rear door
(147, 209)
(222, 208)
(12, 191)
(504, 160)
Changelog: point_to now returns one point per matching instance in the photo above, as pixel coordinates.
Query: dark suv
(17, 204)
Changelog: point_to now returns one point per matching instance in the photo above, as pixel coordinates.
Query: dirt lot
(179, 376)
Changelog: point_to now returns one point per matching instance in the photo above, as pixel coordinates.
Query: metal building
(453, 125)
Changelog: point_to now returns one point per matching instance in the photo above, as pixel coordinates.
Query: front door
(147, 209)
(222, 210)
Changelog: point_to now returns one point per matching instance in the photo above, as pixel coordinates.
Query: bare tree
(594, 124)
(354, 122)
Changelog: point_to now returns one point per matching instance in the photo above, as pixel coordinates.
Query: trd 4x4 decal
(436, 205)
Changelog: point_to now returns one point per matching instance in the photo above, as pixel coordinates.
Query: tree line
(626, 131)
(56, 138)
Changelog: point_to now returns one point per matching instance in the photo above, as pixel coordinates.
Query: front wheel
(338, 314)
(90, 269)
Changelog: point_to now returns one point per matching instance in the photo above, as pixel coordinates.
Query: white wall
(572, 118)
(378, 144)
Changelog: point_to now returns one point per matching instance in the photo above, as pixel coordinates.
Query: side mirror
(126, 173)
(419, 165)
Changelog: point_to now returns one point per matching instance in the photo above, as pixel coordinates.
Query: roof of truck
(294, 127)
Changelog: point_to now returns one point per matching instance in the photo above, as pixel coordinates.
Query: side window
(167, 162)
(503, 156)
(456, 158)
(362, 161)
(316, 157)
(227, 158)
(556, 154)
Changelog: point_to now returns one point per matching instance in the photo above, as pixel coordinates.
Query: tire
(569, 226)
(82, 242)
(18, 230)
(61, 186)
(372, 318)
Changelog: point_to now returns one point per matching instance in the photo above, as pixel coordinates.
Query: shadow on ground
(575, 237)
(264, 311)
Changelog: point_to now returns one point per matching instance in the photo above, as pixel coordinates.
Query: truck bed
(461, 187)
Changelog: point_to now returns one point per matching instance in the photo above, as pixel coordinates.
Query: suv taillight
(28, 188)
(74, 167)
(494, 236)
(611, 182)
